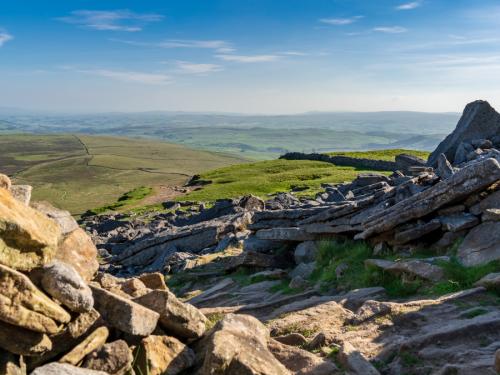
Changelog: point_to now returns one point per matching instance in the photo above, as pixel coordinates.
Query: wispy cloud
(127, 76)
(187, 67)
(5, 37)
(293, 53)
(390, 29)
(409, 6)
(340, 21)
(220, 46)
(113, 20)
(249, 58)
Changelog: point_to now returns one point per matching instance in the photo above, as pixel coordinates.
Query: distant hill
(251, 136)
(83, 172)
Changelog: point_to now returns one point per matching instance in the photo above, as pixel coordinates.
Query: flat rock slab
(124, 314)
(285, 234)
(466, 181)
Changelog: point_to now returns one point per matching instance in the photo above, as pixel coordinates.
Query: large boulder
(479, 121)
(180, 319)
(123, 314)
(23, 304)
(28, 239)
(78, 250)
(481, 245)
(237, 345)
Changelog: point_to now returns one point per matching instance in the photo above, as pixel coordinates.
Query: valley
(82, 172)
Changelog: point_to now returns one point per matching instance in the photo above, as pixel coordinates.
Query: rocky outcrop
(479, 121)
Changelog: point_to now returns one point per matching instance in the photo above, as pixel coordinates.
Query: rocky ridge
(233, 266)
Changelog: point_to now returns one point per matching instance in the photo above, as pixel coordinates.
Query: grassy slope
(268, 177)
(62, 171)
(388, 155)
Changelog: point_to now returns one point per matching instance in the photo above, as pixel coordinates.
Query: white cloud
(194, 68)
(391, 29)
(114, 20)
(249, 58)
(220, 46)
(4, 38)
(128, 76)
(293, 53)
(409, 6)
(340, 21)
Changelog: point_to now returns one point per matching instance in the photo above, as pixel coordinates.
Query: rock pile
(418, 206)
(58, 315)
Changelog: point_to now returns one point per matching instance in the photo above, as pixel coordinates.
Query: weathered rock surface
(64, 369)
(21, 193)
(163, 355)
(237, 345)
(78, 251)
(92, 342)
(23, 304)
(66, 222)
(64, 284)
(301, 362)
(467, 181)
(479, 120)
(26, 342)
(28, 239)
(123, 314)
(181, 319)
(5, 182)
(114, 358)
(481, 245)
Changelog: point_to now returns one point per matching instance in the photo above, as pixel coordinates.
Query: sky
(249, 56)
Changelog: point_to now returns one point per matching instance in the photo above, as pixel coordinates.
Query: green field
(387, 155)
(82, 172)
(268, 177)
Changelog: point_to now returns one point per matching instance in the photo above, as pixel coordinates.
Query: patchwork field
(82, 172)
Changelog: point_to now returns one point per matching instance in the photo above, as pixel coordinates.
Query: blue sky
(251, 56)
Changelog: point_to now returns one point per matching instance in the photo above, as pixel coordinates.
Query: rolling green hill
(82, 172)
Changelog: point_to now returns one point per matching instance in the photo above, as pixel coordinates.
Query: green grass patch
(131, 197)
(332, 254)
(386, 155)
(270, 177)
(458, 277)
